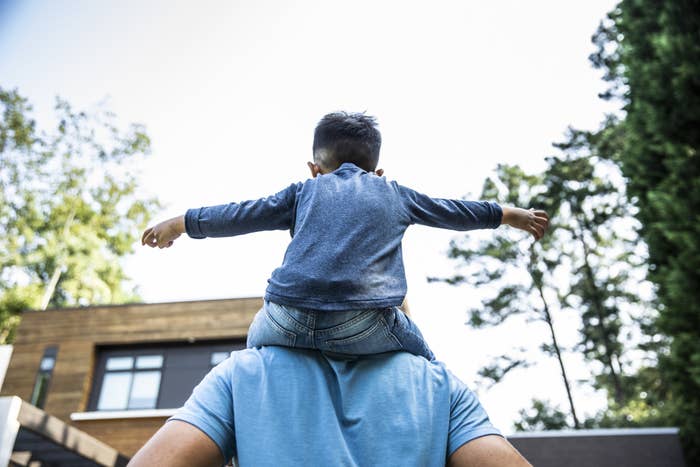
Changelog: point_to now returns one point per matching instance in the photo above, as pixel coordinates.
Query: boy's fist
(164, 234)
(532, 221)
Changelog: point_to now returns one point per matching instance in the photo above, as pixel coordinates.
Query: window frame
(43, 378)
(101, 371)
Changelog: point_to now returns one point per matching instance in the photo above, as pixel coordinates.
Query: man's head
(346, 137)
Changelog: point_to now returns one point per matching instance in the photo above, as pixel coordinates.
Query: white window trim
(114, 414)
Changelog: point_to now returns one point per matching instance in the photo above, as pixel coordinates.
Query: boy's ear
(379, 172)
(315, 169)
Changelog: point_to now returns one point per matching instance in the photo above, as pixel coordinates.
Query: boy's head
(347, 137)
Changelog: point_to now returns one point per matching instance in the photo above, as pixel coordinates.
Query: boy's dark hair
(347, 137)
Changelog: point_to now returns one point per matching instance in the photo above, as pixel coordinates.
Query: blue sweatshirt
(346, 227)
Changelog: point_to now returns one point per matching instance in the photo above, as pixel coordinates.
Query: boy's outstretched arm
(164, 234)
(532, 221)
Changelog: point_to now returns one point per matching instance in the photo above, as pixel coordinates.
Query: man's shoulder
(314, 364)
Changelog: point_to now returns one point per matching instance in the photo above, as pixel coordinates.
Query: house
(116, 373)
(89, 386)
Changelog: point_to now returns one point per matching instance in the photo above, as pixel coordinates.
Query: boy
(342, 278)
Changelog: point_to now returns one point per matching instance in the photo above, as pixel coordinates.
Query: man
(277, 406)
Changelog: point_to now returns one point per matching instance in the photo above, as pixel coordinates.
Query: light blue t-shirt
(347, 227)
(275, 406)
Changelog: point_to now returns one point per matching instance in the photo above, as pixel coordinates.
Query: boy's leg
(178, 444)
(273, 325)
(406, 331)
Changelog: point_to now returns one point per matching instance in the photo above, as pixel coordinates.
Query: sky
(230, 92)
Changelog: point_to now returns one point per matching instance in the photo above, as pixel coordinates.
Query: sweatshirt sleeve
(275, 212)
(450, 213)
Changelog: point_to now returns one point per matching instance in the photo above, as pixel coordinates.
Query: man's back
(294, 407)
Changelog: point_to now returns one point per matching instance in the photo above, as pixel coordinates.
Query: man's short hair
(347, 137)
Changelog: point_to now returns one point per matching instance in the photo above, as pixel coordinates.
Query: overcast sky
(230, 92)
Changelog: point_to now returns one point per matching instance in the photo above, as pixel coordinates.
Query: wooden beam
(72, 439)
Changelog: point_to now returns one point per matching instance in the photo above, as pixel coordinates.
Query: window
(131, 382)
(153, 377)
(43, 377)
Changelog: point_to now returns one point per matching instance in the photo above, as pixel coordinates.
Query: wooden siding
(124, 435)
(77, 332)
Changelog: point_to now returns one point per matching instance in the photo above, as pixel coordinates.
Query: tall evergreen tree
(650, 51)
(69, 208)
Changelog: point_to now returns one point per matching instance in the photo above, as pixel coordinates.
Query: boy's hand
(164, 234)
(532, 221)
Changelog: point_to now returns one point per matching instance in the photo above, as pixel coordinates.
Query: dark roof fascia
(596, 432)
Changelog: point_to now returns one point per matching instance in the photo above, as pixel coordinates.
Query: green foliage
(69, 208)
(590, 263)
(519, 269)
(596, 234)
(645, 405)
(541, 416)
(604, 263)
(495, 371)
(650, 51)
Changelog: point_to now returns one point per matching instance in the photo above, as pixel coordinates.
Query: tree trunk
(58, 270)
(610, 356)
(555, 344)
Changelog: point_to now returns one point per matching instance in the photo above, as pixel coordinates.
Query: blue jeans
(358, 332)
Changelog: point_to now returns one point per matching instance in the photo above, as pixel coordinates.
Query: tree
(69, 208)
(591, 263)
(596, 233)
(541, 416)
(608, 286)
(500, 261)
(649, 51)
